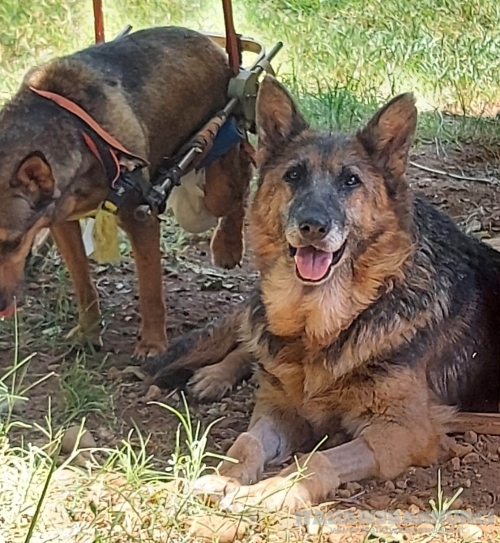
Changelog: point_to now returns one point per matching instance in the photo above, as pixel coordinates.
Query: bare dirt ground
(105, 387)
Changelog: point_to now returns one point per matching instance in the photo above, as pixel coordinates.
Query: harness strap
(105, 155)
(95, 128)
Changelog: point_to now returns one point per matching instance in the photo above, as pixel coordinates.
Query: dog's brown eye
(352, 180)
(295, 174)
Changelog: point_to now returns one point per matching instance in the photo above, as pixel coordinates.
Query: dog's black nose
(315, 227)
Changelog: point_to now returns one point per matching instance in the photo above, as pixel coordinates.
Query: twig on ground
(453, 175)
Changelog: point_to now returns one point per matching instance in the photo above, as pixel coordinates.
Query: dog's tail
(195, 350)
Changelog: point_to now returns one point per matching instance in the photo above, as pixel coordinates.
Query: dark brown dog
(375, 317)
(151, 90)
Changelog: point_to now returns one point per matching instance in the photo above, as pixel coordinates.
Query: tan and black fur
(398, 332)
(151, 90)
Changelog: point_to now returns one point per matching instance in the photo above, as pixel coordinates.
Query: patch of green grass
(447, 51)
(85, 391)
(130, 498)
(341, 58)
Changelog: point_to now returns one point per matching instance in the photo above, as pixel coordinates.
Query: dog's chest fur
(295, 376)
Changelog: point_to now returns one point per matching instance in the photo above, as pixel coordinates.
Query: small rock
(470, 437)
(389, 486)
(471, 458)
(343, 493)
(75, 438)
(470, 532)
(414, 509)
(401, 484)
(105, 435)
(457, 504)
(153, 393)
(113, 374)
(460, 451)
(415, 500)
(379, 502)
(454, 464)
(466, 483)
(83, 459)
(211, 527)
(335, 538)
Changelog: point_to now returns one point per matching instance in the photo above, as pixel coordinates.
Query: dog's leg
(227, 244)
(379, 453)
(68, 238)
(145, 240)
(268, 439)
(306, 482)
(226, 189)
(400, 429)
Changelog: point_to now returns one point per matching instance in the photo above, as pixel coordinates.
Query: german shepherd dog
(150, 90)
(375, 317)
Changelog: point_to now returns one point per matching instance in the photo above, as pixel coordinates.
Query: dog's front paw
(211, 383)
(215, 487)
(227, 248)
(274, 494)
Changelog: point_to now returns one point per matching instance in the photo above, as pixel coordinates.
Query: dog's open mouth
(312, 264)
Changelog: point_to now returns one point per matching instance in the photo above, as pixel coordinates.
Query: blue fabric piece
(227, 137)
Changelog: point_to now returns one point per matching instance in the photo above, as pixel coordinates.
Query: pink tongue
(9, 312)
(312, 264)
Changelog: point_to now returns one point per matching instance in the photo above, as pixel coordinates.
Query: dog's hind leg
(68, 238)
(215, 381)
(211, 360)
(226, 192)
(145, 240)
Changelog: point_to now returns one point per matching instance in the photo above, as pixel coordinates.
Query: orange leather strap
(75, 109)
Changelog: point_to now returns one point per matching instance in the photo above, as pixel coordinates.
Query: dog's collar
(103, 145)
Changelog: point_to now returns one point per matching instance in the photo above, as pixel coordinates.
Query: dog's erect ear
(34, 177)
(388, 136)
(278, 118)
